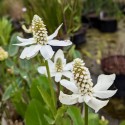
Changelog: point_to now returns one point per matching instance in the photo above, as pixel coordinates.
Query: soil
(114, 64)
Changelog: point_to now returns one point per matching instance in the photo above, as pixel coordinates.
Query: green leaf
(12, 48)
(66, 8)
(88, 54)
(50, 120)
(122, 123)
(9, 62)
(8, 93)
(75, 115)
(16, 70)
(25, 64)
(20, 107)
(5, 31)
(93, 119)
(41, 82)
(35, 114)
(60, 113)
(35, 93)
(19, 99)
(24, 74)
(77, 54)
(66, 121)
(47, 99)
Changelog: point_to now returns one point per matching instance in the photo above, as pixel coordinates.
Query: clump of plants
(69, 14)
(38, 97)
(110, 9)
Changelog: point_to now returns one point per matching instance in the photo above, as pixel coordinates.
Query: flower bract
(82, 88)
(40, 41)
(58, 68)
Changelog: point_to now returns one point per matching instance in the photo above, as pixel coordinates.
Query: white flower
(58, 67)
(24, 9)
(41, 41)
(83, 90)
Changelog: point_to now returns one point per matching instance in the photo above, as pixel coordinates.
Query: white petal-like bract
(42, 70)
(54, 34)
(82, 87)
(46, 51)
(104, 94)
(59, 54)
(58, 76)
(69, 85)
(67, 74)
(96, 104)
(68, 99)
(68, 66)
(29, 52)
(104, 82)
(24, 40)
(59, 42)
(34, 49)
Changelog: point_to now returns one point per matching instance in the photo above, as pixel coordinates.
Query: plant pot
(120, 85)
(85, 19)
(79, 37)
(91, 19)
(116, 64)
(108, 25)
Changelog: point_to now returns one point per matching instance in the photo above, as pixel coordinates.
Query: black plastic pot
(85, 19)
(108, 25)
(120, 85)
(116, 64)
(94, 21)
(79, 37)
(91, 20)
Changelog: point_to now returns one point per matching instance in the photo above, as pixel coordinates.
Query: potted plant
(116, 64)
(79, 37)
(109, 14)
(91, 9)
(72, 11)
(46, 9)
(66, 12)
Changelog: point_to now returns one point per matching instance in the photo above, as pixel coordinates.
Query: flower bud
(3, 54)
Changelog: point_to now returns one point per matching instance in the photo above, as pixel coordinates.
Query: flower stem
(50, 82)
(86, 114)
(58, 91)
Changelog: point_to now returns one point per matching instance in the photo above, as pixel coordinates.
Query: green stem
(50, 83)
(86, 114)
(58, 91)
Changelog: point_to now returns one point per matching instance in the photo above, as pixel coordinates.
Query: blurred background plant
(111, 9)
(11, 8)
(92, 6)
(56, 12)
(3, 54)
(5, 31)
